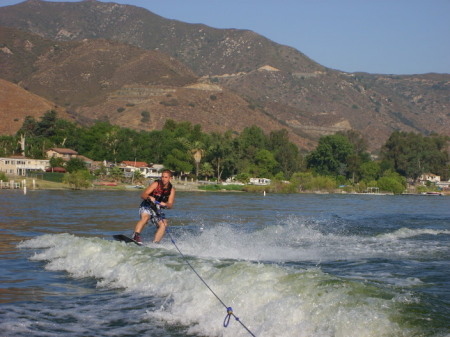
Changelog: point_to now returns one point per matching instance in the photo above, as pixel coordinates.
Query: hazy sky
(375, 36)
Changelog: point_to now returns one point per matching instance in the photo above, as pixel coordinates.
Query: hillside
(279, 84)
(320, 103)
(123, 84)
(204, 49)
(213, 107)
(17, 103)
(85, 72)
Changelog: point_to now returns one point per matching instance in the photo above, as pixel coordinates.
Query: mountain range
(92, 61)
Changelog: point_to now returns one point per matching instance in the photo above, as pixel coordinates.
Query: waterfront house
(57, 152)
(430, 178)
(152, 171)
(20, 165)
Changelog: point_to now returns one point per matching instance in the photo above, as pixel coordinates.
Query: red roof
(135, 164)
(56, 169)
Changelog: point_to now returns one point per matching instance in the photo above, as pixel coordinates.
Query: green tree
(243, 178)
(437, 155)
(99, 142)
(370, 171)
(7, 145)
(75, 164)
(206, 170)
(289, 160)
(221, 154)
(170, 125)
(35, 147)
(111, 142)
(265, 163)
(178, 161)
(251, 140)
(46, 127)
(65, 134)
(392, 182)
(57, 162)
(196, 149)
(412, 154)
(331, 155)
(278, 139)
(29, 127)
(357, 140)
(286, 153)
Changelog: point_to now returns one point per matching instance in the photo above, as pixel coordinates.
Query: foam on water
(298, 240)
(271, 299)
(403, 233)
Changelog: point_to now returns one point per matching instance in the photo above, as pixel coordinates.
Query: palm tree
(207, 170)
(195, 149)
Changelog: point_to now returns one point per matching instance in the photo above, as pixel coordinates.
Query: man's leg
(160, 231)
(140, 226)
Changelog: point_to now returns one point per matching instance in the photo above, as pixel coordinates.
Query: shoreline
(185, 186)
(39, 184)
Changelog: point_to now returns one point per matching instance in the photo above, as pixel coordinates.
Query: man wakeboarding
(157, 196)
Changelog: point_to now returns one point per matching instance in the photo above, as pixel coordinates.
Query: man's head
(166, 175)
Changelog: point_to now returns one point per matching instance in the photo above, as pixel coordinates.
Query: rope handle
(226, 321)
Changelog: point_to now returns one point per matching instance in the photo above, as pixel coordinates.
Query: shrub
(307, 181)
(255, 188)
(145, 116)
(78, 179)
(171, 102)
(324, 183)
(390, 184)
(217, 187)
(3, 176)
(279, 186)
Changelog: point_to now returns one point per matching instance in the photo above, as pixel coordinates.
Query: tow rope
(230, 313)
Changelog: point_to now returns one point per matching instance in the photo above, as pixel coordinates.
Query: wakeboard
(124, 238)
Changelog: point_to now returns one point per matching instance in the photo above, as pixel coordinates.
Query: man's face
(165, 178)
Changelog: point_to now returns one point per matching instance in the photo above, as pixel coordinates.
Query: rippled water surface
(288, 265)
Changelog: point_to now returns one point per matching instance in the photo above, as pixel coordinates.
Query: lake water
(288, 265)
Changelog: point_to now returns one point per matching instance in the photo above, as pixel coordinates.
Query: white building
(20, 166)
(429, 177)
(148, 171)
(260, 181)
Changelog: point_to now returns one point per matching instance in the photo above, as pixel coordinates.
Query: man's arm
(149, 190)
(171, 199)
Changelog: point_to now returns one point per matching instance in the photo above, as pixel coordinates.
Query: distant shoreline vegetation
(275, 187)
(339, 162)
